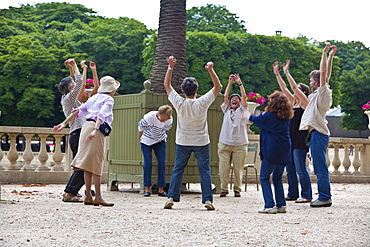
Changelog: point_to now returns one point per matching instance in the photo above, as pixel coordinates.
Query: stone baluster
(356, 160)
(1, 152)
(28, 155)
(43, 155)
(57, 156)
(346, 163)
(13, 154)
(336, 161)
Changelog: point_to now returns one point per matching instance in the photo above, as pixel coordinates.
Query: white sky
(320, 20)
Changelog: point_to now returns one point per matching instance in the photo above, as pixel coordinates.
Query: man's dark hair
(189, 86)
(65, 84)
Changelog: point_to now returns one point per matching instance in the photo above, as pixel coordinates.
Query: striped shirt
(154, 131)
(70, 102)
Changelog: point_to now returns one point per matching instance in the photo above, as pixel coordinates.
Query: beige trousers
(231, 155)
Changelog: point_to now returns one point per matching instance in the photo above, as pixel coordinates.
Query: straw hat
(108, 84)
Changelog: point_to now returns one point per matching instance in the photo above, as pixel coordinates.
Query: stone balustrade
(343, 166)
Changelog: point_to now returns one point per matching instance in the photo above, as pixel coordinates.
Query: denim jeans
(76, 180)
(299, 160)
(277, 172)
(159, 149)
(298, 167)
(291, 174)
(202, 155)
(318, 145)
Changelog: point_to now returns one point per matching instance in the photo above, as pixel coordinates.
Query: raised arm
(323, 65)
(95, 77)
(281, 82)
(80, 96)
(303, 100)
(216, 82)
(242, 90)
(167, 79)
(329, 62)
(228, 88)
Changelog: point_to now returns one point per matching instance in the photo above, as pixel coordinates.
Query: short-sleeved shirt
(99, 106)
(234, 129)
(192, 127)
(70, 102)
(314, 115)
(154, 131)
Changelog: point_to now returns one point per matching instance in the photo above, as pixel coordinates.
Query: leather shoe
(237, 194)
(146, 193)
(223, 193)
(88, 201)
(162, 193)
(102, 202)
(290, 199)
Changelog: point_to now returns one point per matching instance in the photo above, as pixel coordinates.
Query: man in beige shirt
(314, 121)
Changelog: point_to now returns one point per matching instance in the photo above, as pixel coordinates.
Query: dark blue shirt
(275, 144)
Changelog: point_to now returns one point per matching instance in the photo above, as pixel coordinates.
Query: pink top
(98, 106)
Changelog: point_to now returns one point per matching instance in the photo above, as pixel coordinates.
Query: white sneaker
(281, 210)
(209, 205)
(169, 203)
(268, 211)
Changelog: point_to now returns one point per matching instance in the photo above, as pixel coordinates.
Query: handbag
(105, 129)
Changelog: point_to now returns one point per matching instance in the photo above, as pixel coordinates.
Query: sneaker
(268, 211)
(281, 210)
(169, 203)
(318, 203)
(146, 193)
(162, 193)
(209, 205)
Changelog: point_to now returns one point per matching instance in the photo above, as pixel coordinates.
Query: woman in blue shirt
(275, 146)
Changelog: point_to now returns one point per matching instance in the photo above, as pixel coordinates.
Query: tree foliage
(212, 18)
(36, 39)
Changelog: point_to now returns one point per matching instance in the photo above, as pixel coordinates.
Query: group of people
(291, 124)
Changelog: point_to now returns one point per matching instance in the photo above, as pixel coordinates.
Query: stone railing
(20, 155)
(349, 159)
(19, 163)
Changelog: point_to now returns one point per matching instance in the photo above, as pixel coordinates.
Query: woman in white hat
(90, 156)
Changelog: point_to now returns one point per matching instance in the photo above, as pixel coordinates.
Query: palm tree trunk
(171, 41)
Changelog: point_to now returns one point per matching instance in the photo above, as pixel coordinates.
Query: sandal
(303, 200)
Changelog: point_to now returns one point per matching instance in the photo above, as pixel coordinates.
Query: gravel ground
(34, 215)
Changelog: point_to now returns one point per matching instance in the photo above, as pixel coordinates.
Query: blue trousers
(202, 155)
(267, 169)
(159, 149)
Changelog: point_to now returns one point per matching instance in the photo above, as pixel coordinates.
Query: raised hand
(171, 61)
(209, 66)
(333, 50)
(92, 65)
(286, 66)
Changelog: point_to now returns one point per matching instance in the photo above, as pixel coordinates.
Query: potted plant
(254, 100)
(366, 107)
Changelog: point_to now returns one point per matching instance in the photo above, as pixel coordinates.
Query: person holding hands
(232, 146)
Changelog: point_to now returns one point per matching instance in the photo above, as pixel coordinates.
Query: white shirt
(192, 127)
(234, 128)
(314, 115)
(154, 131)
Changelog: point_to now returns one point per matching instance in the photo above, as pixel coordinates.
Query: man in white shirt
(191, 132)
(313, 120)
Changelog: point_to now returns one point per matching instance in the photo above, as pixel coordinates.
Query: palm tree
(171, 41)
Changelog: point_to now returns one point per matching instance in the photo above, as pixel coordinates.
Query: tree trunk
(171, 41)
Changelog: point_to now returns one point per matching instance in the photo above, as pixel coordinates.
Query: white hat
(108, 84)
